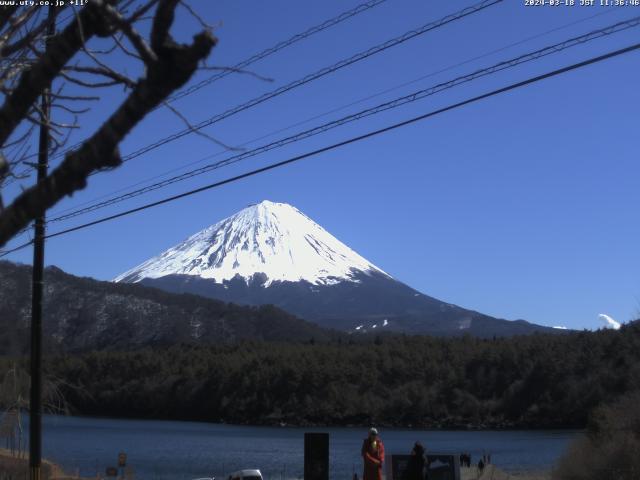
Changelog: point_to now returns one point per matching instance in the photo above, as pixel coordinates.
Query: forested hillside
(530, 381)
(82, 314)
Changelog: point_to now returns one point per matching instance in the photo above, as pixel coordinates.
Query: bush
(611, 447)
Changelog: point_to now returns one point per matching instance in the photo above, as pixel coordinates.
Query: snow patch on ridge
(275, 239)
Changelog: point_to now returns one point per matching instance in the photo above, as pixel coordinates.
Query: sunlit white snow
(609, 322)
(271, 238)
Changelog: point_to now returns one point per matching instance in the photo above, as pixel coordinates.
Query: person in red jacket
(373, 455)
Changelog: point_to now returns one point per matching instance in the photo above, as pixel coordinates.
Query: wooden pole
(35, 406)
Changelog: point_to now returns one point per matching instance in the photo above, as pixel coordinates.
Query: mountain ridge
(271, 253)
(373, 305)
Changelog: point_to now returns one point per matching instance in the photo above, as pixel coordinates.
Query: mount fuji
(274, 240)
(271, 253)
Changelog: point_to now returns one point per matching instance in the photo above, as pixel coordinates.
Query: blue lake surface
(188, 450)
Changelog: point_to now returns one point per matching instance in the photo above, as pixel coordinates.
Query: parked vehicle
(249, 474)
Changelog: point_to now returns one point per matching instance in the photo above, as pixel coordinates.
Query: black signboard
(437, 467)
(316, 456)
(398, 467)
(442, 466)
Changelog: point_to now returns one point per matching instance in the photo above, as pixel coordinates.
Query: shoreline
(17, 465)
(210, 438)
(280, 424)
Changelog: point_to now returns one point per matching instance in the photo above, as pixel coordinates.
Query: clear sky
(521, 206)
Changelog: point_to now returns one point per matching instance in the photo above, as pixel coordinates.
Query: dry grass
(610, 449)
(491, 472)
(17, 467)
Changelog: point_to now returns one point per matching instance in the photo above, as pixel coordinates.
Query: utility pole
(35, 405)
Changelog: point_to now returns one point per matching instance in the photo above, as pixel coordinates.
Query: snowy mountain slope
(274, 239)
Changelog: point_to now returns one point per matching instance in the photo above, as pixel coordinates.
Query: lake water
(159, 450)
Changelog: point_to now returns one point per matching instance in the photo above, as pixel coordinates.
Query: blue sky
(520, 206)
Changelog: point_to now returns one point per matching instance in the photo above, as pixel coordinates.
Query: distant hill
(85, 314)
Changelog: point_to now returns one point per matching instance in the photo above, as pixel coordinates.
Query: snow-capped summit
(274, 239)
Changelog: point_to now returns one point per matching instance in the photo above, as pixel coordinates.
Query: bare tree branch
(145, 52)
(26, 39)
(59, 51)
(172, 67)
(105, 72)
(6, 12)
(4, 167)
(68, 109)
(92, 84)
(238, 70)
(195, 15)
(197, 131)
(123, 47)
(161, 24)
(137, 15)
(15, 23)
(77, 98)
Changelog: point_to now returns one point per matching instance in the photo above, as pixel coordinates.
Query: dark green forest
(536, 381)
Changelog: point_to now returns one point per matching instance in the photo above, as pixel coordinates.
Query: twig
(237, 70)
(195, 15)
(105, 72)
(198, 131)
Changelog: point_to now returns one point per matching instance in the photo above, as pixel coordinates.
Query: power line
(415, 96)
(337, 109)
(363, 7)
(358, 138)
(310, 77)
(316, 75)
(351, 140)
(279, 46)
(4, 253)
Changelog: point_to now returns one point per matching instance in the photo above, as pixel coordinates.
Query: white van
(250, 474)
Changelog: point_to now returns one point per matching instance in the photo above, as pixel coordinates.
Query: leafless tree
(14, 398)
(74, 64)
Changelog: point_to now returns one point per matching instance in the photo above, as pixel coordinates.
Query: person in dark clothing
(481, 466)
(416, 463)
